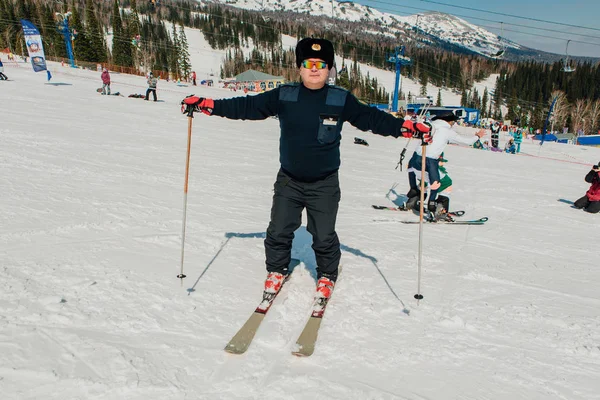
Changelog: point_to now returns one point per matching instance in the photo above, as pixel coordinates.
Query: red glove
(199, 104)
(416, 130)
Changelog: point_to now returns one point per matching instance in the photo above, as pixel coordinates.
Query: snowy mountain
(424, 27)
(460, 32)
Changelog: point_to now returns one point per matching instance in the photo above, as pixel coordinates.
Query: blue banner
(35, 47)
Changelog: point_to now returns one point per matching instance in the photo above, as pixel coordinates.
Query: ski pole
(419, 296)
(189, 110)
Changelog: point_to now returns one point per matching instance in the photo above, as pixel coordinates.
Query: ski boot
(442, 215)
(274, 282)
(324, 287)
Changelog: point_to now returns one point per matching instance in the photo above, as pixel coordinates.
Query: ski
(305, 345)
(458, 213)
(479, 221)
(244, 336)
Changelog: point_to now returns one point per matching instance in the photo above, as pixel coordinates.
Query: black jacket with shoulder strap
(311, 124)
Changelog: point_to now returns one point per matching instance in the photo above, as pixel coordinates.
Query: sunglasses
(310, 64)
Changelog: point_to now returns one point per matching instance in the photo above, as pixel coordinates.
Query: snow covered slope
(90, 230)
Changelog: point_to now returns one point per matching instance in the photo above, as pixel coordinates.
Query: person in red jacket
(591, 201)
(105, 81)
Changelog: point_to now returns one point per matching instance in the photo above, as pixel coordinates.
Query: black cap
(448, 117)
(315, 48)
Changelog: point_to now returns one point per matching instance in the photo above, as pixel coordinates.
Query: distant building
(256, 81)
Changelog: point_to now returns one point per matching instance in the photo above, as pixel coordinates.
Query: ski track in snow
(90, 236)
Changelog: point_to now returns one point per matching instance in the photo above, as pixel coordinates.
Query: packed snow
(90, 243)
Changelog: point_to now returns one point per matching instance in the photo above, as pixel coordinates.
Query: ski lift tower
(67, 34)
(399, 59)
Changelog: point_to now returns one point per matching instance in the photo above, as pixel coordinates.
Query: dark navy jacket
(311, 124)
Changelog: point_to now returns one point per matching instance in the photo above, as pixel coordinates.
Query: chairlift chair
(502, 50)
(566, 65)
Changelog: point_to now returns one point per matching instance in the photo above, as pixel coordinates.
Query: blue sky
(575, 12)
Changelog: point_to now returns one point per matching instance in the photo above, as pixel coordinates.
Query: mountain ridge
(418, 29)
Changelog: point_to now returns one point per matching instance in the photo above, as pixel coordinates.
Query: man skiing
(442, 136)
(591, 201)
(311, 115)
(105, 81)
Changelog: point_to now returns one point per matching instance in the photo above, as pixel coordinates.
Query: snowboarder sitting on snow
(442, 135)
(2, 76)
(311, 115)
(152, 81)
(591, 201)
(105, 81)
(510, 146)
(480, 146)
(444, 191)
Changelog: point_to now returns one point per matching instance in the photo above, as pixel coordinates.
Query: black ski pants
(589, 206)
(321, 200)
(150, 90)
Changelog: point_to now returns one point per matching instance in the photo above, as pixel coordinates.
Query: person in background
(443, 134)
(152, 81)
(495, 128)
(105, 81)
(518, 139)
(194, 78)
(510, 146)
(591, 201)
(311, 115)
(2, 76)
(444, 192)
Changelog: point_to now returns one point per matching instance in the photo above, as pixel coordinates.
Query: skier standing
(495, 128)
(518, 135)
(152, 81)
(591, 201)
(105, 81)
(311, 115)
(442, 136)
(2, 76)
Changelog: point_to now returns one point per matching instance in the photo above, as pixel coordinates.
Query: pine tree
(95, 34)
(174, 55)
(134, 31)
(184, 54)
(80, 41)
(134, 20)
(54, 44)
(121, 49)
(464, 99)
(423, 80)
(484, 102)
(438, 102)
